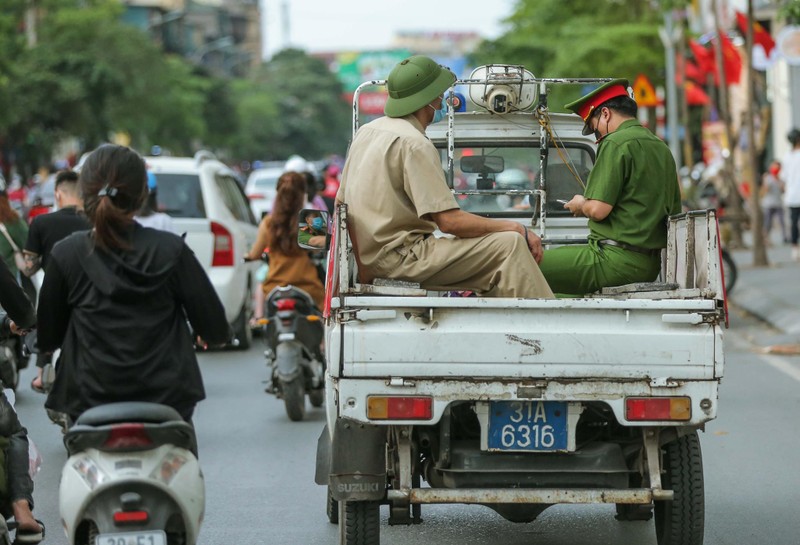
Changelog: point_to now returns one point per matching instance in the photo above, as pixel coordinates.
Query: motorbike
(293, 332)
(132, 477)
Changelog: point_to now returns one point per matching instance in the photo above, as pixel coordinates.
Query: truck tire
(332, 508)
(359, 523)
(682, 520)
(294, 398)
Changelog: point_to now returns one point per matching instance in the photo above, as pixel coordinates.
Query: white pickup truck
(519, 404)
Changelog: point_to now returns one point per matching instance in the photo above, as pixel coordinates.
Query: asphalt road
(259, 467)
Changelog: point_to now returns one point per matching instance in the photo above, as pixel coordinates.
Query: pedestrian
(47, 229)
(116, 300)
(278, 231)
(19, 500)
(771, 194)
(14, 233)
(790, 175)
(631, 191)
(397, 196)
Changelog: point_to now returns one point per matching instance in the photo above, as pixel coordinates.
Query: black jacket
(120, 321)
(14, 301)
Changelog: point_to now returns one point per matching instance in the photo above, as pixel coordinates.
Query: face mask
(317, 223)
(439, 114)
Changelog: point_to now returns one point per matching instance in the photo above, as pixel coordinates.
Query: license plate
(155, 537)
(530, 426)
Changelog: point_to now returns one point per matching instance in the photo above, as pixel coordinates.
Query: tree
(580, 38)
(313, 119)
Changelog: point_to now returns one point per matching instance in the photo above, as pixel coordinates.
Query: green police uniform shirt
(636, 174)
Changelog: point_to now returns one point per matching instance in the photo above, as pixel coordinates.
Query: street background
(259, 467)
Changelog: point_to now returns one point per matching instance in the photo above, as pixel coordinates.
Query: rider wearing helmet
(397, 197)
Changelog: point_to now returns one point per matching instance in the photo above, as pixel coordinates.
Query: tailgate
(570, 339)
(198, 237)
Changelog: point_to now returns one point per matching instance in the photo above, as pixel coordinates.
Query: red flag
(731, 60)
(704, 58)
(694, 73)
(695, 96)
(760, 34)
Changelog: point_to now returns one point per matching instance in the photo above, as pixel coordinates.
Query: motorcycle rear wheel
(316, 397)
(294, 398)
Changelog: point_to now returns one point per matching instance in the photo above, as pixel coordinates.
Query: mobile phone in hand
(562, 201)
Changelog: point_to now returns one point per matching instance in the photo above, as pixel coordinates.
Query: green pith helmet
(415, 82)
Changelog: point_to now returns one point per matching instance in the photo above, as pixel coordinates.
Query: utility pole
(286, 24)
(735, 205)
(670, 34)
(30, 23)
(757, 225)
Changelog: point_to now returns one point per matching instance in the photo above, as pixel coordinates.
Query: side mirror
(312, 232)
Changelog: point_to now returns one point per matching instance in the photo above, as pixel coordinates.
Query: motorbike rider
(17, 498)
(313, 233)
(288, 263)
(116, 300)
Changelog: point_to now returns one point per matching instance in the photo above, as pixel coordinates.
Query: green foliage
(790, 10)
(313, 120)
(582, 38)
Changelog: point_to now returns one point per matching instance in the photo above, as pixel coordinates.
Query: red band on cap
(587, 107)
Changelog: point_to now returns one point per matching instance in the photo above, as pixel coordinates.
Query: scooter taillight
(285, 304)
(131, 517)
(127, 436)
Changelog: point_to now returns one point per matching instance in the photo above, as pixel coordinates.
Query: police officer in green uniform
(631, 191)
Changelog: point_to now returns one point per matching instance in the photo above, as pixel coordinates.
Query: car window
(179, 195)
(566, 175)
(235, 199)
(266, 183)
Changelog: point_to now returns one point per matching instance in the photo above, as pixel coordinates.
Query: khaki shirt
(391, 182)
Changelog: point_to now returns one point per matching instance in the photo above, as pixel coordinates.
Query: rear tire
(241, 328)
(359, 523)
(682, 520)
(294, 397)
(316, 397)
(332, 508)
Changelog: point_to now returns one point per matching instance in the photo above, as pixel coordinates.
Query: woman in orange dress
(288, 263)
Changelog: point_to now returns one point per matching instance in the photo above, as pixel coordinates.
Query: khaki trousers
(494, 265)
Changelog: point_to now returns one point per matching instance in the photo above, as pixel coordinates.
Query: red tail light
(285, 304)
(399, 408)
(256, 196)
(658, 408)
(223, 246)
(130, 517)
(127, 436)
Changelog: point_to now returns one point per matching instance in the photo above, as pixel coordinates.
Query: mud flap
(357, 469)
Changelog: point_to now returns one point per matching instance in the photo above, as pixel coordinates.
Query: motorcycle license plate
(154, 537)
(528, 426)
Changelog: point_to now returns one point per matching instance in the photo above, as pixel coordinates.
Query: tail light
(256, 196)
(223, 246)
(131, 517)
(399, 408)
(658, 408)
(127, 436)
(285, 304)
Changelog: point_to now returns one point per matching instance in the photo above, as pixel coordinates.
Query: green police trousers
(584, 269)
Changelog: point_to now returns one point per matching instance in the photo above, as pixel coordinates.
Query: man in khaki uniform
(397, 196)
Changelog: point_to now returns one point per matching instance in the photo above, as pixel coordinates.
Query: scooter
(293, 332)
(132, 477)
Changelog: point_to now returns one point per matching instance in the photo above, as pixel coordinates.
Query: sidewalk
(771, 293)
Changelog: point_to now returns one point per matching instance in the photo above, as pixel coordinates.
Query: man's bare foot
(24, 517)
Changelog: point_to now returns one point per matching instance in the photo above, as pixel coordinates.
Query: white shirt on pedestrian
(790, 173)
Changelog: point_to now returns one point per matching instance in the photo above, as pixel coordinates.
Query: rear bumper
(352, 395)
(522, 496)
(230, 283)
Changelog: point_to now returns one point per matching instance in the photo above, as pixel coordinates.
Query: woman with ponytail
(115, 300)
(288, 263)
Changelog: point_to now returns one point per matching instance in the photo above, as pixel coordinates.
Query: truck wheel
(359, 523)
(316, 397)
(332, 508)
(681, 521)
(294, 397)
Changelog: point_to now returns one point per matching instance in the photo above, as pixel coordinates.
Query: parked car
(206, 203)
(261, 189)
